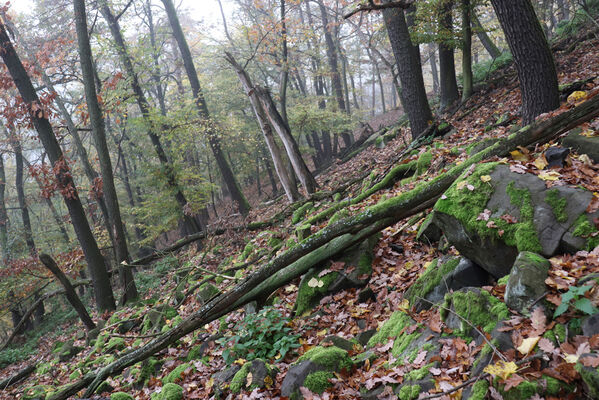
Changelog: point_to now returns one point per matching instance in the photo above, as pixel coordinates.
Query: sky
(200, 10)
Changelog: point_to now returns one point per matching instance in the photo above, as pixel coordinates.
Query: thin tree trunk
(95, 261)
(432, 59)
(275, 152)
(484, 38)
(449, 84)
(213, 139)
(3, 213)
(99, 133)
(284, 80)
(532, 56)
(466, 50)
(69, 291)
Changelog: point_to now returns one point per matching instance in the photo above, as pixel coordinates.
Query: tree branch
(371, 6)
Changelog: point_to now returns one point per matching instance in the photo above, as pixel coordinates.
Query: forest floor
(341, 314)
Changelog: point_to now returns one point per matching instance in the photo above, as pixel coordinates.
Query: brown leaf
(420, 357)
(546, 346)
(539, 321)
(590, 361)
(512, 382)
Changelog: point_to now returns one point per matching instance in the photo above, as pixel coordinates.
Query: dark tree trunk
(99, 133)
(532, 56)
(484, 38)
(20, 187)
(433, 62)
(93, 256)
(407, 58)
(3, 213)
(69, 291)
(142, 102)
(449, 84)
(213, 139)
(466, 50)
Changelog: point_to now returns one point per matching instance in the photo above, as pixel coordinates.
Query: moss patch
(558, 205)
(391, 328)
(478, 307)
(430, 278)
(121, 396)
(301, 212)
(318, 381)
(583, 228)
(170, 391)
(424, 162)
(479, 390)
(176, 374)
(307, 296)
(240, 377)
(332, 358)
(409, 392)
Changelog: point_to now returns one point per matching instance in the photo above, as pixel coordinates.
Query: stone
(366, 294)
(590, 325)
(340, 342)
(128, 325)
(206, 292)
(260, 374)
(296, 376)
(526, 283)
(68, 351)
(535, 218)
(556, 156)
(583, 145)
(364, 337)
(429, 232)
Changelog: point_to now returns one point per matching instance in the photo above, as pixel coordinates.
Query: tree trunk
(3, 213)
(144, 107)
(484, 38)
(99, 133)
(466, 50)
(284, 79)
(432, 59)
(213, 139)
(449, 84)
(95, 261)
(532, 56)
(69, 291)
(407, 58)
(20, 187)
(275, 152)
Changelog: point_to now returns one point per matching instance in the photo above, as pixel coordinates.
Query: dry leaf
(502, 369)
(528, 344)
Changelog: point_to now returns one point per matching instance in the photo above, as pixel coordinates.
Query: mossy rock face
(121, 396)
(583, 145)
(526, 282)
(206, 292)
(475, 305)
(178, 373)
(356, 271)
(428, 231)
(523, 214)
(262, 375)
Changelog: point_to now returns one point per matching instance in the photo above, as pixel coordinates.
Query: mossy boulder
(262, 375)
(355, 272)
(37, 392)
(170, 391)
(206, 292)
(300, 213)
(526, 282)
(428, 231)
(583, 145)
(121, 396)
(178, 373)
(523, 215)
(314, 369)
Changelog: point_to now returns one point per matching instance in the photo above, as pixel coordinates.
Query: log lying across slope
(335, 239)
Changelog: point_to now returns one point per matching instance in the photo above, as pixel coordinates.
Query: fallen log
(22, 374)
(367, 222)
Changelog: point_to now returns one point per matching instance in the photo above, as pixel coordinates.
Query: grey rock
(364, 337)
(556, 156)
(526, 282)
(340, 342)
(429, 232)
(296, 376)
(206, 292)
(583, 145)
(366, 294)
(226, 375)
(590, 325)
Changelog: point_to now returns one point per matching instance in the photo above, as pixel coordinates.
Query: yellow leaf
(528, 344)
(461, 185)
(315, 283)
(290, 289)
(586, 160)
(577, 96)
(210, 383)
(518, 156)
(502, 369)
(268, 382)
(549, 175)
(404, 305)
(485, 178)
(239, 361)
(589, 133)
(248, 379)
(571, 358)
(321, 333)
(540, 162)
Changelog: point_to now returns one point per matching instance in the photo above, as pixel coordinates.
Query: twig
(495, 350)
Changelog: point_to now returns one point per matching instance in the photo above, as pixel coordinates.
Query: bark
(99, 133)
(144, 107)
(273, 148)
(20, 188)
(532, 56)
(22, 374)
(3, 213)
(449, 84)
(407, 58)
(484, 38)
(95, 261)
(213, 139)
(466, 50)
(69, 291)
(155, 59)
(284, 79)
(432, 58)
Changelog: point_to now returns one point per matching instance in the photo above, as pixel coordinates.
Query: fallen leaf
(485, 178)
(528, 344)
(549, 175)
(539, 320)
(512, 382)
(502, 369)
(540, 162)
(546, 346)
(576, 97)
(518, 156)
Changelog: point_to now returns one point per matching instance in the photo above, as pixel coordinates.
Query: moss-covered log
(371, 220)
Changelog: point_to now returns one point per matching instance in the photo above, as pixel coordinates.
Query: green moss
(44, 368)
(418, 374)
(247, 250)
(36, 392)
(391, 328)
(339, 215)
(466, 205)
(239, 379)
(424, 162)
(331, 358)
(558, 205)
(402, 342)
(307, 296)
(481, 309)
(170, 391)
(175, 375)
(479, 390)
(554, 386)
(115, 343)
(590, 376)
(409, 392)
(301, 212)
(318, 381)
(337, 197)
(503, 280)
(100, 342)
(583, 228)
(523, 391)
(560, 332)
(430, 278)
(121, 396)
(75, 375)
